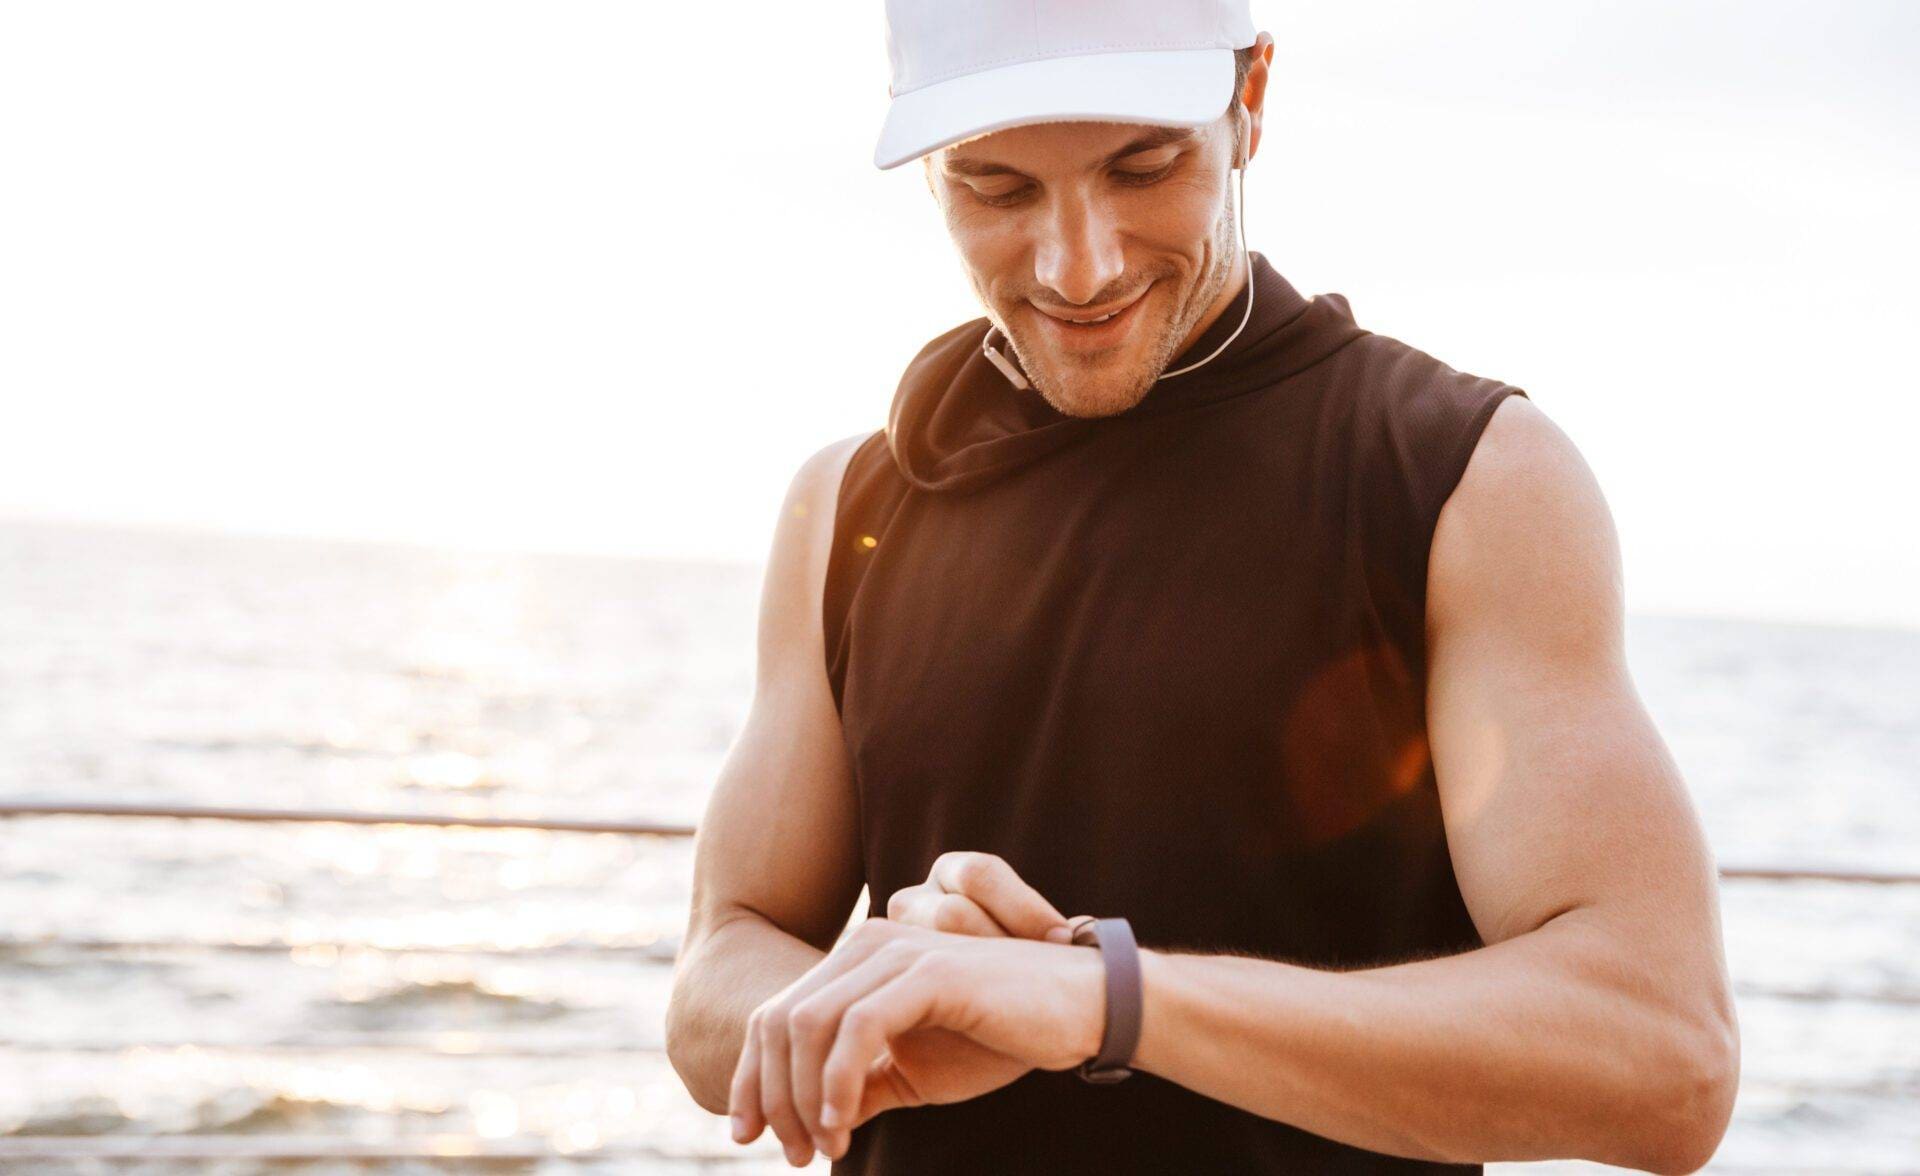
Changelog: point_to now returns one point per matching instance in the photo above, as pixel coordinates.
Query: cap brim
(1165, 87)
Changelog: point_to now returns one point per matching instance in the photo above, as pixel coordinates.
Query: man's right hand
(974, 893)
(966, 893)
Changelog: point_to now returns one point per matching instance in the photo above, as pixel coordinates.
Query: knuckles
(953, 912)
(871, 930)
(806, 1020)
(934, 965)
(970, 867)
(949, 899)
(773, 1029)
(898, 953)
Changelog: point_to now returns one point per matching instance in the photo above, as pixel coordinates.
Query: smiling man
(1174, 597)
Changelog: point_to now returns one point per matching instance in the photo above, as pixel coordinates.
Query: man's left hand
(971, 892)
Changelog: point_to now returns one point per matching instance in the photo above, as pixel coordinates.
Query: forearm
(718, 982)
(1551, 1044)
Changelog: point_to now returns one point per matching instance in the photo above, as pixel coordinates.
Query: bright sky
(585, 277)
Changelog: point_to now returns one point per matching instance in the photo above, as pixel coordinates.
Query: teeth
(1103, 318)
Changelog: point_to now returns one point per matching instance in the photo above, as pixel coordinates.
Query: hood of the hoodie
(956, 423)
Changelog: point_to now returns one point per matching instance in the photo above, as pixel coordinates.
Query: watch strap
(1120, 953)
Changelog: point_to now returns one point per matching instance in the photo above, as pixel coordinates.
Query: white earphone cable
(1240, 214)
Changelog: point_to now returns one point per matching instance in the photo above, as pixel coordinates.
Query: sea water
(361, 983)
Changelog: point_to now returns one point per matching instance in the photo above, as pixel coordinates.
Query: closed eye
(1142, 178)
(1131, 179)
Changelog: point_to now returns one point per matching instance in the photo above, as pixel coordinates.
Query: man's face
(1066, 220)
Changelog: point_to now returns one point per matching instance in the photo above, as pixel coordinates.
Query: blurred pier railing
(302, 1149)
(62, 808)
(51, 808)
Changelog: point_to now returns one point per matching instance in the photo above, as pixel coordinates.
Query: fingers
(743, 1099)
(1066, 933)
(894, 1007)
(812, 1026)
(776, 1098)
(990, 881)
(761, 1094)
(926, 905)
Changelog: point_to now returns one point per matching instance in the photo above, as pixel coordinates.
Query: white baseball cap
(963, 68)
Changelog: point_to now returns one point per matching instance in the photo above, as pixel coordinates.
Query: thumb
(1061, 934)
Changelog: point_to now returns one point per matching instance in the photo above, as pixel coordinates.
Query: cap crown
(930, 41)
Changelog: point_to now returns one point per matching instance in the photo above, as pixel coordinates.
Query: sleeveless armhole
(1424, 421)
(1472, 405)
(869, 488)
(1457, 439)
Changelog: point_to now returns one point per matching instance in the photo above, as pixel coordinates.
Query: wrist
(1090, 999)
(1155, 981)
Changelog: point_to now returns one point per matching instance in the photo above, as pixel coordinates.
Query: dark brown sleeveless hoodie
(1170, 664)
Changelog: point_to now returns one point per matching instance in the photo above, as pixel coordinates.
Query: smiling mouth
(1084, 319)
(1085, 331)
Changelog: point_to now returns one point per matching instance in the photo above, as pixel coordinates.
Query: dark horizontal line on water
(1817, 996)
(1824, 996)
(36, 808)
(1818, 874)
(417, 1045)
(330, 1147)
(657, 952)
(66, 808)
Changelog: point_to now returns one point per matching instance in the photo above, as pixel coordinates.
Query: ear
(1254, 95)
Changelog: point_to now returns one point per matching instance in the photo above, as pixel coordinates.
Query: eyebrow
(1156, 137)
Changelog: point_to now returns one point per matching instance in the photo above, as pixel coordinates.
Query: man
(1289, 645)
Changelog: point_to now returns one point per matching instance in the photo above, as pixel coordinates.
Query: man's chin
(1093, 389)
(1096, 397)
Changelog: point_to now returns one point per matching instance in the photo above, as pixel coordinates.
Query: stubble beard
(1119, 392)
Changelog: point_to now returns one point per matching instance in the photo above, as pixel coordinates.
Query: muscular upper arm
(780, 837)
(1558, 793)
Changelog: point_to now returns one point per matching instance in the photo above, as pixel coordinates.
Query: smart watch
(1121, 955)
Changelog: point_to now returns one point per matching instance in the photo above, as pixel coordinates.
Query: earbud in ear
(1246, 139)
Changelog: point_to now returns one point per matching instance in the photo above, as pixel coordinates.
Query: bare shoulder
(1526, 542)
(1522, 442)
(817, 482)
(803, 537)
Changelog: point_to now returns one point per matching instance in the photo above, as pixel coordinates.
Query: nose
(1080, 251)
